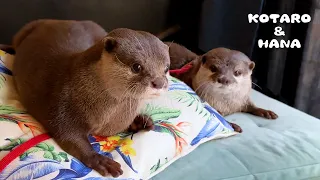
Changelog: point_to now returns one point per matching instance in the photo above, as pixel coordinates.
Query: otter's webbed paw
(264, 113)
(236, 127)
(141, 122)
(104, 165)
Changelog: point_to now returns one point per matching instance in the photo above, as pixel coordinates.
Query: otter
(222, 77)
(76, 80)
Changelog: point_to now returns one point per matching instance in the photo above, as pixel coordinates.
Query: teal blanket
(284, 149)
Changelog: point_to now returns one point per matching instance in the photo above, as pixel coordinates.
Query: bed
(287, 148)
(284, 149)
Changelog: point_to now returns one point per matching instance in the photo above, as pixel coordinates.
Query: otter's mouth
(222, 86)
(152, 93)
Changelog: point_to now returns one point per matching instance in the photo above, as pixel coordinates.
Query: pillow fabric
(182, 122)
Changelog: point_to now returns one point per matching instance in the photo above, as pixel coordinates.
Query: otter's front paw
(236, 127)
(141, 122)
(104, 165)
(264, 113)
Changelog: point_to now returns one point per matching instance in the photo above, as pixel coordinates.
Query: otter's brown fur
(179, 55)
(76, 80)
(222, 77)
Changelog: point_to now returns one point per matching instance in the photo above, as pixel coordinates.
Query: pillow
(182, 122)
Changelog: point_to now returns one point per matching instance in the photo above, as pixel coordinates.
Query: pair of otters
(76, 79)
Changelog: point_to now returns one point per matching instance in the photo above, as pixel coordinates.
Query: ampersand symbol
(278, 31)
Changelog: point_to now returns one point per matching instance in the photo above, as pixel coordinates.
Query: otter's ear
(251, 65)
(110, 44)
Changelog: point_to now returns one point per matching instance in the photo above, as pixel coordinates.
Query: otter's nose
(223, 80)
(158, 83)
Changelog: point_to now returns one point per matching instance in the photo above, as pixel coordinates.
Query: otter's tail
(166, 33)
(180, 55)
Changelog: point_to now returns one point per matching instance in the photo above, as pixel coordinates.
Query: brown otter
(222, 77)
(77, 80)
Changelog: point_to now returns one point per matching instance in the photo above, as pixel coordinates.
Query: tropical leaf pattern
(184, 94)
(180, 119)
(161, 117)
(190, 99)
(206, 132)
(161, 113)
(48, 152)
(173, 130)
(46, 148)
(21, 118)
(3, 70)
(157, 166)
(13, 143)
(33, 168)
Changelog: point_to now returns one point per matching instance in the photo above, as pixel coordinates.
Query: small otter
(77, 80)
(222, 77)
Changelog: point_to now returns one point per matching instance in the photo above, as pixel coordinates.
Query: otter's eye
(237, 73)
(136, 68)
(213, 69)
(166, 69)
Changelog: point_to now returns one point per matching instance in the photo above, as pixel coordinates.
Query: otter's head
(224, 69)
(135, 64)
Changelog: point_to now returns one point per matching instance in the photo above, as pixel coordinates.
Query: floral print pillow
(182, 122)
